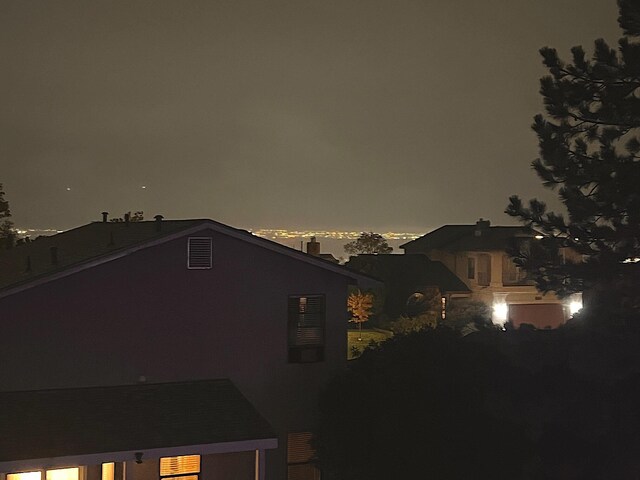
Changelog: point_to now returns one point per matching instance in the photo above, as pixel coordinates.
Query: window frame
(471, 268)
(305, 353)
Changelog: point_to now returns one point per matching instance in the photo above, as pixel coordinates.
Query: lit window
(184, 467)
(108, 471)
(306, 328)
(64, 474)
(24, 476)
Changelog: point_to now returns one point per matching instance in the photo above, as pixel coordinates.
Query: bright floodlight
(500, 311)
(575, 306)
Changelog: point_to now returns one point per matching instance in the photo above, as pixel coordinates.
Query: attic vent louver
(199, 253)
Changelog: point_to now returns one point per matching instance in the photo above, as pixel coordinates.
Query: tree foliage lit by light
(360, 306)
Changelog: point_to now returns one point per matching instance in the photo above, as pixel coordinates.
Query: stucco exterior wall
(495, 291)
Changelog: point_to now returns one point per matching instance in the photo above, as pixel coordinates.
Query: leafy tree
(368, 242)
(590, 148)
(7, 232)
(360, 305)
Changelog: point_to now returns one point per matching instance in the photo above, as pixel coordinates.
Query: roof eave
(130, 455)
(353, 278)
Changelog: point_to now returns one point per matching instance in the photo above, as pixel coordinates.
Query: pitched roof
(408, 269)
(440, 236)
(46, 424)
(464, 238)
(99, 242)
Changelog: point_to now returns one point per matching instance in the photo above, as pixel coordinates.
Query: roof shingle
(83, 421)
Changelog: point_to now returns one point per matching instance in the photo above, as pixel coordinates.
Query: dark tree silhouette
(589, 148)
(368, 242)
(415, 408)
(7, 232)
(135, 217)
(559, 404)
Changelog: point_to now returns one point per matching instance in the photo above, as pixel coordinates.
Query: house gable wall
(147, 315)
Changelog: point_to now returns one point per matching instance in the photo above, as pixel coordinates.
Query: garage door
(541, 315)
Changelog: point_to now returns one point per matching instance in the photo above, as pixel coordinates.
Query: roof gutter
(132, 455)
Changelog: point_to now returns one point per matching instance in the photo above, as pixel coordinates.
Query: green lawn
(368, 336)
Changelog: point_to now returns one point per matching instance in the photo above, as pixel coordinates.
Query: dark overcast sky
(340, 114)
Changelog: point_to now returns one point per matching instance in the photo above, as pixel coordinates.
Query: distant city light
(338, 235)
(68, 189)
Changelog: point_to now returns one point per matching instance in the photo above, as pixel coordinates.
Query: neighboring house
(409, 276)
(477, 254)
(110, 304)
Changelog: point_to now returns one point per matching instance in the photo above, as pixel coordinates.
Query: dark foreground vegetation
(494, 404)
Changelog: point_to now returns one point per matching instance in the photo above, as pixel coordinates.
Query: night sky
(340, 114)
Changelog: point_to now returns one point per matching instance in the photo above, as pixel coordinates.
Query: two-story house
(477, 254)
(409, 278)
(166, 342)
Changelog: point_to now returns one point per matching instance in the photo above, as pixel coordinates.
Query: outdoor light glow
(575, 307)
(575, 303)
(538, 237)
(500, 311)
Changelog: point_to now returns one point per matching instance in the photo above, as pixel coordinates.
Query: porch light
(500, 313)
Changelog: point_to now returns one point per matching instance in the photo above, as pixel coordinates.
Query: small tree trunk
(359, 331)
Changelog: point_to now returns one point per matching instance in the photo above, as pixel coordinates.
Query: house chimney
(313, 247)
(127, 217)
(158, 219)
(105, 216)
(54, 255)
(481, 225)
